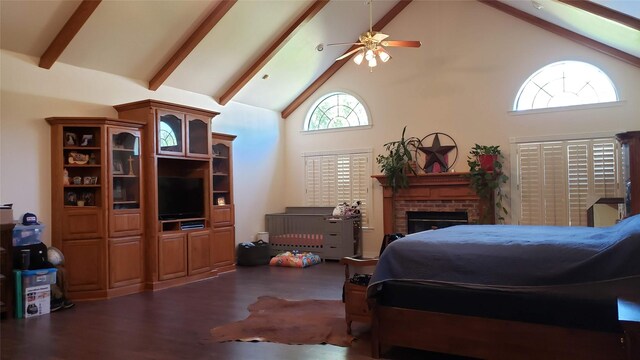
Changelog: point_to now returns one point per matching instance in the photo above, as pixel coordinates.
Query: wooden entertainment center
(144, 201)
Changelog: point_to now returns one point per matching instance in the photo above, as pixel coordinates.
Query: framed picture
(87, 140)
(71, 198)
(117, 167)
(221, 200)
(70, 139)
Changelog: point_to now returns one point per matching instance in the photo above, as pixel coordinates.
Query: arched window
(167, 135)
(336, 110)
(565, 83)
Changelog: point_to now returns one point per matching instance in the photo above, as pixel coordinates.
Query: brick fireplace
(441, 192)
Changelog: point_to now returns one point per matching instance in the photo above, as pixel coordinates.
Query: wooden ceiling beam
(605, 12)
(272, 50)
(68, 32)
(386, 19)
(567, 34)
(194, 39)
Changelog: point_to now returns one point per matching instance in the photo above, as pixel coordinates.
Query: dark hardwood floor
(175, 323)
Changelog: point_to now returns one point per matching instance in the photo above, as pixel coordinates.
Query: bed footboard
(487, 338)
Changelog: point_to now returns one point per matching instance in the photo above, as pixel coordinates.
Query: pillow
(299, 260)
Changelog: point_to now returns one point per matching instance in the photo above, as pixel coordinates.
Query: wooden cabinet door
(223, 247)
(198, 244)
(170, 133)
(84, 264)
(172, 259)
(125, 261)
(82, 223)
(198, 137)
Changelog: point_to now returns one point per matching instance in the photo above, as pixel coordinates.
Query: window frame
(515, 190)
(367, 207)
(550, 67)
(323, 97)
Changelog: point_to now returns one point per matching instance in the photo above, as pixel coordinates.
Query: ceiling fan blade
(346, 55)
(379, 36)
(401, 43)
(346, 43)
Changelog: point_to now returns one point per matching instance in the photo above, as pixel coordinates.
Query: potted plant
(398, 161)
(486, 177)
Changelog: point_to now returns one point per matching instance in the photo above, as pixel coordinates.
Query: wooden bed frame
(487, 338)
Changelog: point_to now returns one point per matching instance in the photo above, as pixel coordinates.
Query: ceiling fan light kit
(371, 46)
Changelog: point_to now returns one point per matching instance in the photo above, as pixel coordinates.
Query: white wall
(462, 81)
(29, 94)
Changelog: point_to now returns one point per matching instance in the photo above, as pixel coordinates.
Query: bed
(505, 292)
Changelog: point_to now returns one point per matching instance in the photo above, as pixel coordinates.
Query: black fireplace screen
(430, 220)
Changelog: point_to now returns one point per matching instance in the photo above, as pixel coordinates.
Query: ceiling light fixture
(371, 45)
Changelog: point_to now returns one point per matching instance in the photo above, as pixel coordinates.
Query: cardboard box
(6, 216)
(37, 300)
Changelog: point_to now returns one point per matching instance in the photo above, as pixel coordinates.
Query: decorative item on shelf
(117, 167)
(488, 182)
(92, 159)
(70, 198)
(78, 158)
(70, 139)
(86, 180)
(80, 203)
(94, 180)
(130, 160)
(77, 180)
(119, 193)
(397, 162)
(65, 177)
(221, 200)
(437, 159)
(87, 140)
(88, 198)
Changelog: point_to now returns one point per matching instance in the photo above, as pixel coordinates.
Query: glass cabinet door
(125, 168)
(170, 133)
(198, 136)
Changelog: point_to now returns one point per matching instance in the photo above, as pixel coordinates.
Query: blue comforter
(505, 256)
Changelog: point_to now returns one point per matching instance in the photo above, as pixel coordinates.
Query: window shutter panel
(578, 182)
(360, 182)
(312, 181)
(553, 189)
(605, 169)
(334, 179)
(530, 184)
(573, 173)
(328, 196)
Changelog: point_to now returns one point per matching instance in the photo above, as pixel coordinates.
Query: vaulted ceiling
(261, 52)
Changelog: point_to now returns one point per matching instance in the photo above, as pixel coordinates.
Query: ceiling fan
(372, 45)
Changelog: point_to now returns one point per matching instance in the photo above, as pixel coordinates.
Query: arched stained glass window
(336, 110)
(565, 83)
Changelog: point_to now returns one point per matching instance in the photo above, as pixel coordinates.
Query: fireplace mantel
(442, 190)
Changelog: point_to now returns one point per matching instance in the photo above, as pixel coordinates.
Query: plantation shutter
(334, 179)
(530, 184)
(558, 180)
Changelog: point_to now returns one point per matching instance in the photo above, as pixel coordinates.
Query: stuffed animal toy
(345, 210)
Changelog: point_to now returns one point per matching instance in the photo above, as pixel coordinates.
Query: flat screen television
(180, 197)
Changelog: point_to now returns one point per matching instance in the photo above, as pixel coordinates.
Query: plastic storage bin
(27, 234)
(33, 292)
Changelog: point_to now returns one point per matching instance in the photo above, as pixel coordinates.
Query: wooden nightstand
(355, 296)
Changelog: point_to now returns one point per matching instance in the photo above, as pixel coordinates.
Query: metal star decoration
(435, 154)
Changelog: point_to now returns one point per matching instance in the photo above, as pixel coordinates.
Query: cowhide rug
(289, 322)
